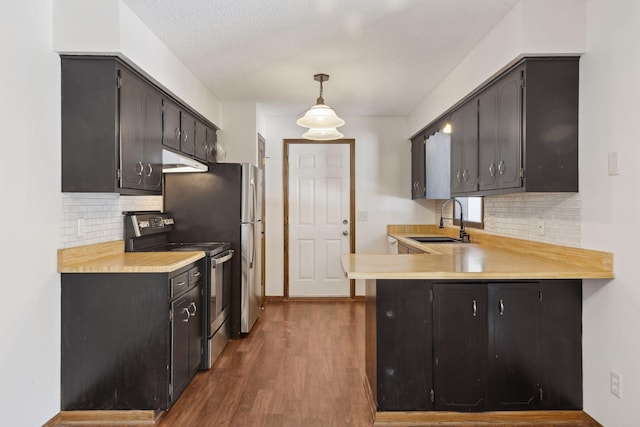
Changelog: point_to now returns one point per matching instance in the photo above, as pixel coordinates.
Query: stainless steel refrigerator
(224, 204)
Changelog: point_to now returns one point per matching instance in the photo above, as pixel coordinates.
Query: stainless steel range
(148, 232)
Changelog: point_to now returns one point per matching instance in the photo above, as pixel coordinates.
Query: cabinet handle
(475, 308)
(139, 168)
(501, 304)
(492, 169)
(501, 167)
(196, 274)
(465, 175)
(185, 136)
(186, 311)
(181, 283)
(150, 169)
(177, 133)
(459, 176)
(195, 309)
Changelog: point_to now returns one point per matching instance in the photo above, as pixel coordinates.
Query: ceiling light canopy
(321, 120)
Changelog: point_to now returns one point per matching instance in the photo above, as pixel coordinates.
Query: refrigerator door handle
(252, 244)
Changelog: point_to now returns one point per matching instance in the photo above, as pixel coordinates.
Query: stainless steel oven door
(218, 294)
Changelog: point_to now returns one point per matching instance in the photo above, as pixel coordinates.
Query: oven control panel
(142, 224)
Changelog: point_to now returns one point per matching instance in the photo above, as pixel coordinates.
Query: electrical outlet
(615, 383)
(614, 169)
(541, 227)
(363, 216)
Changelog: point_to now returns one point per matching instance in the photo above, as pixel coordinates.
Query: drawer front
(180, 284)
(195, 275)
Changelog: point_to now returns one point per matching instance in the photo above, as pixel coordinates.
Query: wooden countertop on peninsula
(486, 257)
(110, 257)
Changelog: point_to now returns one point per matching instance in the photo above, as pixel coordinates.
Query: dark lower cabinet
(186, 346)
(514, 345)
(459, 347)
(475, 345)
(127, 343)
(404, 345)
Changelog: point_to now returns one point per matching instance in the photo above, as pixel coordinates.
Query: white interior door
(319, 212)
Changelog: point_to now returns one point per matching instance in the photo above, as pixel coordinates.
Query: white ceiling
(384, 56)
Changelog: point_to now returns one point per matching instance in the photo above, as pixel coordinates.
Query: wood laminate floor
(302, 365)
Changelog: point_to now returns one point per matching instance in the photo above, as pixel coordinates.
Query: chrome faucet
(463, 234)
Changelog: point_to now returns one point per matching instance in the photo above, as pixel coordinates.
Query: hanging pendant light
(321, 120)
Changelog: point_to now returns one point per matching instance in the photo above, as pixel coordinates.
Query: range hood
(173, 162)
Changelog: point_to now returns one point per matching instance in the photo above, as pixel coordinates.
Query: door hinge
(119, 82)
(430, 295)
(523, 80)
(432, 396)
(119, 174)
(170, 315)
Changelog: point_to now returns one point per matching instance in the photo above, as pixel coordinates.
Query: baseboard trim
(119, 418)
(498, 418)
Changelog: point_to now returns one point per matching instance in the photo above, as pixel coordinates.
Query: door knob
(345, 233)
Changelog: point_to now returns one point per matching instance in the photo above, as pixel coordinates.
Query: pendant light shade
(321, 120)
(322, 134)
(320, 116)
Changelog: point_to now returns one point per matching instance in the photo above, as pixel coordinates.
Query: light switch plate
(615, 384)
(363, 216)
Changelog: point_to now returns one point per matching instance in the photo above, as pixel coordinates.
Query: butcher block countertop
(110, 257)
(486, 257)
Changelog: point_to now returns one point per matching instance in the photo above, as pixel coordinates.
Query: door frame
(352, 205)
(262, 163)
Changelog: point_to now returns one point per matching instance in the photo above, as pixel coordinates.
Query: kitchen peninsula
(489, 327)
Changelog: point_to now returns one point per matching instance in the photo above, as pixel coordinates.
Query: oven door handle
(224, 258)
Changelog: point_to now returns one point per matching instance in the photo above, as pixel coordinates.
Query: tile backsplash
(101, 214)
(518, 215)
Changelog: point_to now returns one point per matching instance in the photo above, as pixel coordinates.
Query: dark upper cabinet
(464, 149)
(109, 128)
(404, 351)
(418, 175)
(514, 346)
(201, 141)
(187, 133)
(517, 133)
(459, 340)
(140, 134)
(500, 133)
(171, 124)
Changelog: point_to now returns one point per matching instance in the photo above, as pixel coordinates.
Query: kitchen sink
(436, 239)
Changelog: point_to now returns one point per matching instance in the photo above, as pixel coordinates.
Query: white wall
(110, 27)
(30, 215)
(532, 27)
(611, 207)
(383, 177)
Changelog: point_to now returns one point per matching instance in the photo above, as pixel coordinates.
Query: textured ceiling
(384, 56)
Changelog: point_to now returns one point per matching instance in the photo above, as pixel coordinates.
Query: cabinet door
(418, 177)
(132, 114)
(195, 329)
(201, 141)
(187, 133)
(180, 373)
(459, 346)
(212, 145)
(403, 313)
(152, 139)
(464, 148)
(488, 139)
(509, 129)
(171, 124)
(514, 345)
